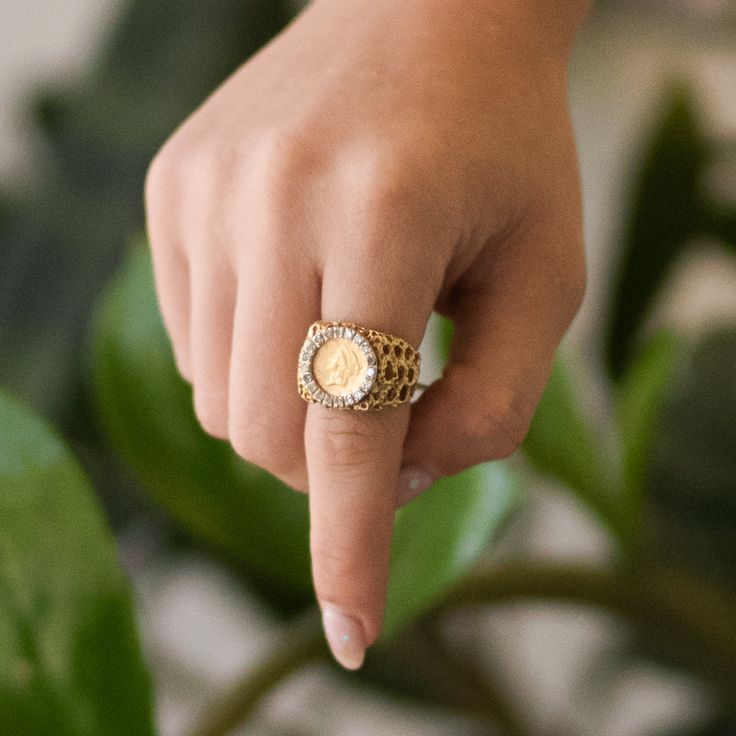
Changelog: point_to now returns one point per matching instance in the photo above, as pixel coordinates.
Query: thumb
(510, 315)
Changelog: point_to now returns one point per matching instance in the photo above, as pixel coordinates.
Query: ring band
(343, 365)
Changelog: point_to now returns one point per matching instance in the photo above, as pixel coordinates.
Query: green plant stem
(490, 702)
(683, 608)
(303, 643)
(687, 610)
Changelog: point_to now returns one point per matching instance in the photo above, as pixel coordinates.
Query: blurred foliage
(654, 464)
(671, 208)
(562, 444)
(691, 514)
(61, 243)
(638, 403)
(69, 658)
(439, 537)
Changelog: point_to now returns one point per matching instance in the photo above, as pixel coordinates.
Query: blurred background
(90, 88)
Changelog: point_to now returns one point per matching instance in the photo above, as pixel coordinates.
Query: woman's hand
(375, 161)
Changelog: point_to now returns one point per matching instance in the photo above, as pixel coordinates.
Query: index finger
(353, 461)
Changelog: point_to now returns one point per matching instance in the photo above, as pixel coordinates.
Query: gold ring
(343, 365)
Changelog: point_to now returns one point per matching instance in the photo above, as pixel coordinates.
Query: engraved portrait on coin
(339, 366)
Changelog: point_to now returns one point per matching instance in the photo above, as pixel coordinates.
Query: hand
(372, 163)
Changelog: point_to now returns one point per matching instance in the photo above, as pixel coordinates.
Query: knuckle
(180, 162)
(297, 482)
(395, 203)
(158, 174)
(391, 188)
(275, 171)
(251, 450)
(167, 160)
(195, 164)
(180, 353)
(183, 369)
(499, 429)
(278, 458)
(211, 413)
(287, 153)
(348, 442)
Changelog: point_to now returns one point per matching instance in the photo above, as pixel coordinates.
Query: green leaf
(562, 445)
(666, 212)
(439, 536)
(147, 410)
(639, 402)
(692, 468)
(69, 658)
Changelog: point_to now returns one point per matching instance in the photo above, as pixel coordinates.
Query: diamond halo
(310, 349)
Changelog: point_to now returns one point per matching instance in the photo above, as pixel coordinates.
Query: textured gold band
(347, 366)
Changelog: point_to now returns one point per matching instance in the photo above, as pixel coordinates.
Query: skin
(374, 162)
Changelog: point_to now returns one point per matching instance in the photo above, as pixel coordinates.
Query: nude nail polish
(344, 634)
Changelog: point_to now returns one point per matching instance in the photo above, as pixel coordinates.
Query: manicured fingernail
(412, 481)
(345, 636)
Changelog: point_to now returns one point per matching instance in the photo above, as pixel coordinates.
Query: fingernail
(412, 481)
(345, 636)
